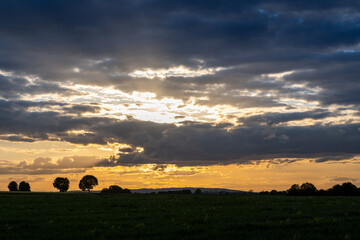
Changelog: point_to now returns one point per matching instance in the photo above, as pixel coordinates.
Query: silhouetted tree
(273, 192)
(24, 186)
(223, 193)
(126, 190)
(264, 193)
(346, 189)
(349, 189)
(13, 186)
(112, 189)
(294, 190)
(322, 192)
(308, 189)
(198, 191)
(115, 189)
(88, 182)
(62, 184)
(335, 190)
(184, 191)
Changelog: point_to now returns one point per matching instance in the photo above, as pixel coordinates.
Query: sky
(243, 95)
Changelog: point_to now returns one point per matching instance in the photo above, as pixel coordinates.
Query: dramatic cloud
(75, 164)
(182, 82)
(111, 43)
(205, 144)
(15, 87)
(276, 118)
(189, 144)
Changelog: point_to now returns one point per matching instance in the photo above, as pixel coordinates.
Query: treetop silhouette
(13, 186)
(88, 182)
(24, 186)
(62, 184)
(308, 189)
(115, 189)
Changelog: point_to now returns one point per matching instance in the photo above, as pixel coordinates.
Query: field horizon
(148, 216)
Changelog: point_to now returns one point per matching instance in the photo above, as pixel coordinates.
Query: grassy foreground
(83, 216)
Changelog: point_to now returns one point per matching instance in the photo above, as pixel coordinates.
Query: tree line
(309, 189)
(87, 183)
(62, 184)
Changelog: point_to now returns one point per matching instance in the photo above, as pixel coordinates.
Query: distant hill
(192, 189)
(203, 190)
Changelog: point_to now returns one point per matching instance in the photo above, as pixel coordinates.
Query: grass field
(83, 216)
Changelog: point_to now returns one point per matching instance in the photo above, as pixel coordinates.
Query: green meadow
(135, 216)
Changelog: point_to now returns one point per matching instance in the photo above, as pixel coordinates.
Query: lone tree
(88, 182)
(61, 183)
(13, 186)
(24, 186)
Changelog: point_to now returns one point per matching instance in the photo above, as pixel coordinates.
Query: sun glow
(179, 71)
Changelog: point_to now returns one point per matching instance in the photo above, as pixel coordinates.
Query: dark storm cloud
(106, 40)
(52, 125)
(16, 138)
(276, 118)
(330, 157)
(199, 144)
(13, 87)
(80, 109)
(340, 82)
(189, 144)
(15, 119)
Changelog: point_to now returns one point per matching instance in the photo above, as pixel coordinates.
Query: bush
(115, 189)
(185, 191)
(198, 191)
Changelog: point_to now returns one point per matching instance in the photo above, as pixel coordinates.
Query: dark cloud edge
(189, 144)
